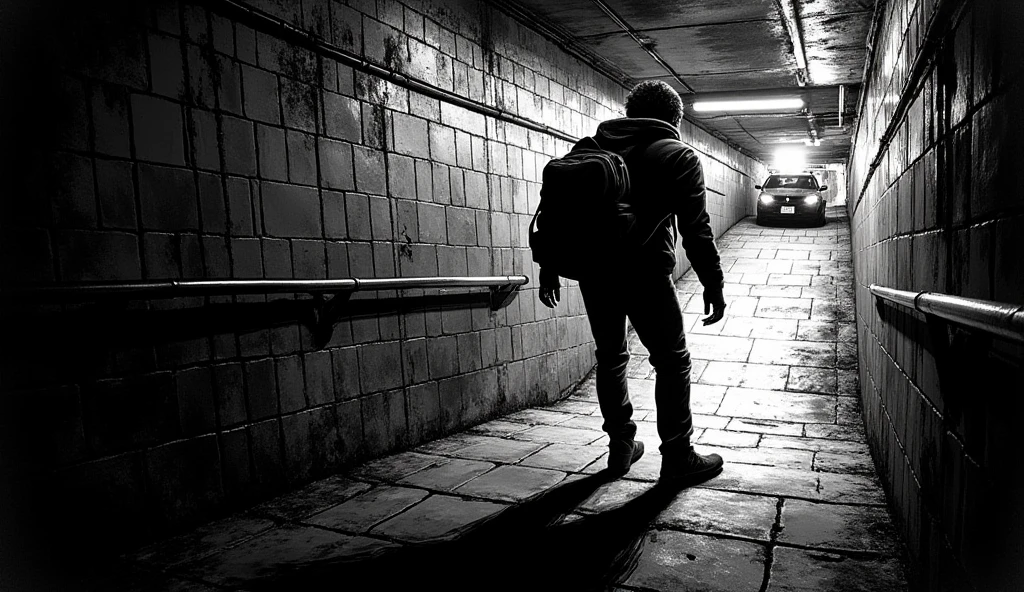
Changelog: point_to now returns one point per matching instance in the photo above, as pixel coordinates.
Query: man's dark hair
(655, 99)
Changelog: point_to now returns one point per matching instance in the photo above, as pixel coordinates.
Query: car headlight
(811, 199)
(765, 198)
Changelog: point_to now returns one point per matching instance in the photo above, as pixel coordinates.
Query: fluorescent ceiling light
(749, 105)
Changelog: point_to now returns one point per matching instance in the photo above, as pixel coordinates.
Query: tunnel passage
(522, 501)
(373, 139)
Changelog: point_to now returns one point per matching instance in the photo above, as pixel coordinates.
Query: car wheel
(821, 220)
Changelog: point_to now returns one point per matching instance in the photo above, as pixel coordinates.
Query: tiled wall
(175, 142)
(942, 211)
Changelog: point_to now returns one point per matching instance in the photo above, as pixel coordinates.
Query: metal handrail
(1003, 320)
(174, 288)
(330, 297)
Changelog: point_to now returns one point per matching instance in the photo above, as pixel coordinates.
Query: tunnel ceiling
(726, 49)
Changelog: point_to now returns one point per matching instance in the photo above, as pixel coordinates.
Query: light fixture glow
(749, 105)
(790, 159)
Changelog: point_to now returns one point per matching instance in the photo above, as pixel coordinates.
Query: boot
(686, 468)
(622, 454)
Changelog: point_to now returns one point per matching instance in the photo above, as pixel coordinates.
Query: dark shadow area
(122, 323)
(526, 547)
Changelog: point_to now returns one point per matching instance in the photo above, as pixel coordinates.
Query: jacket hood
(625, 132)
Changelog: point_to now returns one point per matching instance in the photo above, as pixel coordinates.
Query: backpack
(585, 220)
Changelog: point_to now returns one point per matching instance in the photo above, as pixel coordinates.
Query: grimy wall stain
(935, 195)
(165, 140)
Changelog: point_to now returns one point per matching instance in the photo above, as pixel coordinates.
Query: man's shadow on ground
(525, 547)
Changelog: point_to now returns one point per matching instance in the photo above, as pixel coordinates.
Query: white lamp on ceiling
(749, 105)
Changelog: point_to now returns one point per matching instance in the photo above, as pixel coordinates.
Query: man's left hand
(714, 303)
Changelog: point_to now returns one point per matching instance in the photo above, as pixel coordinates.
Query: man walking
(667, 185)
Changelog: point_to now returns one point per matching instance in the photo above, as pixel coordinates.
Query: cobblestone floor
(519, 502)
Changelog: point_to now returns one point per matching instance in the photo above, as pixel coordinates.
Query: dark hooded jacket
(666, 186)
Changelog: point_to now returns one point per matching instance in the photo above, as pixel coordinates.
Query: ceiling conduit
(645, 44)
(791, 21)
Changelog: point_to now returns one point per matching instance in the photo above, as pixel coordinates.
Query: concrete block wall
(183, 143)
(941, 210)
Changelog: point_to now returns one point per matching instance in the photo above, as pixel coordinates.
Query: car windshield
(792, 182)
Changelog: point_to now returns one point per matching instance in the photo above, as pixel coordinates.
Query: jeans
(649, 300)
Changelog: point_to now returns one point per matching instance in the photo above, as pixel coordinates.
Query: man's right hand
(550, 289)
(713, 299)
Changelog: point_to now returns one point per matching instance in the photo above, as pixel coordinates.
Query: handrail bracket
(326, 313)
(502, 296)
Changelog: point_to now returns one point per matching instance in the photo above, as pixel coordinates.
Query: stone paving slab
(538, 417)
(614, 495)
(834, 526)
(729, 438)
(836, 432)
(778, 405)
(681, 561)
(396, 466)
(775, 481)
(576, 407)
(777, 291)
(281, 549)
(811, 380)
(565, 457)
(437, 517)
(511, 483)
(706, 398)
(447, 476)
(848, 463)
(815, 444)
(593, 422)
(452, 443)
(793, 353)
(362, 512)
(766, 426)
(716, 347)
(799, 570)
(755, 327)
(849, 381)
(499, 428)
(498, 450)
(765, 376)
(311, 499)
(849, 412)
(721, 512)
(708, 421)
(559, 434)
(767, 457)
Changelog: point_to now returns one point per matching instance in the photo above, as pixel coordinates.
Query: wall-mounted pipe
(176, 288)
(1002, 320)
